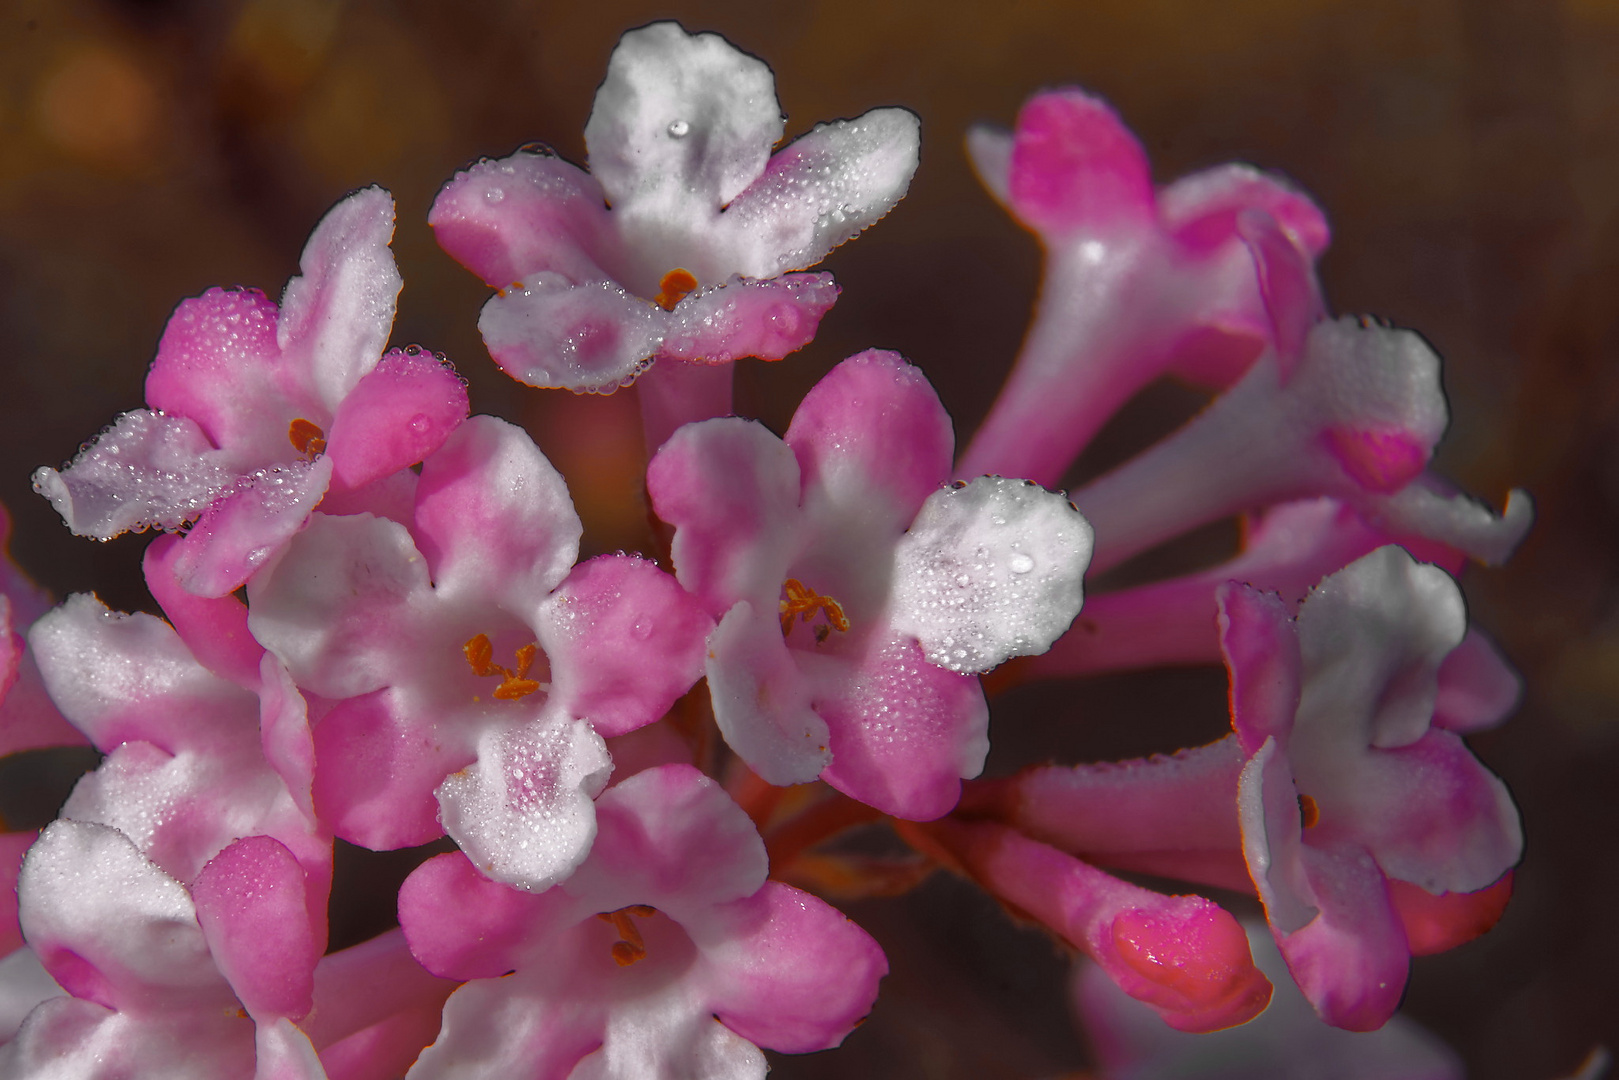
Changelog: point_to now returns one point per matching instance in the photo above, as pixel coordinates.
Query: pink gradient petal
(589, 338)
(337, 314)
(251, 904)
(282, 1052)
(624, 641)
(733, 539)
(385, 1050)
(375, 773)
(365, 984)
(1292, 297)
(1075, 165)
(904, 733)
(289, 748)
(762, 700)
(493, 1029)
(1437, 923)
(788, 971)
(1203, 207)
(250, 521)
(872, 442)
(860, 167)
(462, 925)
(219, 365)
(13, 845)
(1262, 655)
(744, 317)
(494, 519)
(1182, 955)
(213, 628)
(398, 414)
(1478, 688)
(529, 212)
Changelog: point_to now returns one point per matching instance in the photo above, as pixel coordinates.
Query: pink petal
(1075, 165)
(1437, 923)
(219, 365)
(337, 314)
(251, 904)
(904, 732)
(787, 971)
(490, 1027)
(289, 748)
(530, 212)
(375, 773)
(822, 190)
(462, 925)
(29, 720)
(13, 845)
(385, 1050)
(494, 519)
(1262, 657)
(593, 337)
(523, 811)
(670, 837)
(745, 317)
(398, 414)
(213, 628)
(624, 642)
(872, 435)
(1202, 208)
(762, 700)
(282, 1052)
(365, 984)
(1291, 293)
(1478, 689)
(69, 1037)
(733, 538)
(244, 528)
(148, 470)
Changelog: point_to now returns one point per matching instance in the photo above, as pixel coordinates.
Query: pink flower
(666, 954)
(255, 411)
(910, 587)
(1137, 282)
(677, 243)
(1355, 779)
(473, 669)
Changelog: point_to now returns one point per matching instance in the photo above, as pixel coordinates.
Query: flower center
(804, 602)
(1309, 812)
(630, 946)
(306, 438)
(674, 287)
(513, 684)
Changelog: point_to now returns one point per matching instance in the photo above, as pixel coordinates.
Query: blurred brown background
(1466, 151)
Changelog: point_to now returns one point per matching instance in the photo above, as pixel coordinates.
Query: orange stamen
(306, 438)
(630, 946)
(513, 684)
(1308, 811)
(674, 288)
(803, 602)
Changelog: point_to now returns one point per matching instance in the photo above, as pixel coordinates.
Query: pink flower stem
(675, 392)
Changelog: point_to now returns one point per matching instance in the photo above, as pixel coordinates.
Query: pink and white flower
(472, 669)
(911, 587)
(667, 953)
(255, 411)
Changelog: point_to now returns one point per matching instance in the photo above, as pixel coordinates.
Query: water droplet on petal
(678, 129)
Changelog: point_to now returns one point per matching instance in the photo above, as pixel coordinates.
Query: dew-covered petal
(251, 903)
(252, 519)
(872, 442)
(80, 1039)
(398, 414)
(762, 700)
(988, 571)
(213, 628)
(376, 771)
(594, 337)
(505, 220)
(338, 605)
(624, 640)
(522, 811)
(730, 489)
(494, 519)
(219, 365)
(1075, 166)
(681, 125)
(490, 1030)
(662, 1035)
(746, 317)
(786, 970)
(336, 315)
(821, 190)
(121, 677)
(672, 838)
(462, 925)
(904, 732)
(146, 471)
(110, 926)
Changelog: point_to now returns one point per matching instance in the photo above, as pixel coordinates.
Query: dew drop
(1020, 563)
(678, 129)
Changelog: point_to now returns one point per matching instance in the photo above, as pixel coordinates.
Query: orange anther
(306, 438)
(803, 602)
(513, 684)
(1309, 812)
(479, 654)
(674, 287)
(630, 946)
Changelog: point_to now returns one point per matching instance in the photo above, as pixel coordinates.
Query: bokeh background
(1466, 151)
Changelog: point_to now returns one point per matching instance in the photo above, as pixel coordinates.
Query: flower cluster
(377, 628)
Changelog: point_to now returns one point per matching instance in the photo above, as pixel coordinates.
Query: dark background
(1466, 151)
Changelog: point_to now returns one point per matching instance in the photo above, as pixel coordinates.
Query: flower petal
(744, 317)
(252, 906)
(462, 925)
(762, 700)
(213, 628)
(594, 337)
(401, 412)
(988, 571)
(253, 518)
(1076, 166)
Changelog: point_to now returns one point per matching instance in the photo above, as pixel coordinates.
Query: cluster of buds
(377, 628)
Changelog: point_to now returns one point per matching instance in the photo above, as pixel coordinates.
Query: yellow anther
(803, 602)
(630, 946)
(674, 288)
(513, 684)
(307, 438)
